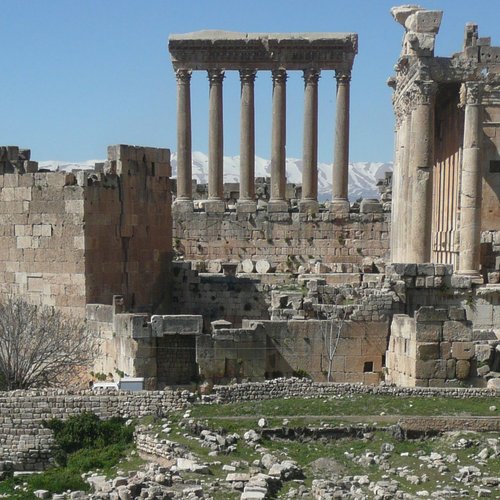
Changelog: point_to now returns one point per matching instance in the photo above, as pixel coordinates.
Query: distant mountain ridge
(363, 176)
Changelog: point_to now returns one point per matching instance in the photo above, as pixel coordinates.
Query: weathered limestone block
(428, 351)
(425, 270)
(462, 369)
(428, 332)
(451, 366)
(462, 350)
(176, 325)
(430, 313)
(445, 348)
(457, 313)
(368, 206)
(456, 331)
(483, 353)
(430, 369)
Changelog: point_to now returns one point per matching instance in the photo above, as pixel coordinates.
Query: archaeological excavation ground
(258, 290)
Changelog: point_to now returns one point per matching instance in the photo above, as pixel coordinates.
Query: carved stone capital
(183, 76)
(343, 77)
(247, 75)
(311, 76)
(471, 93)
(215, 76)
(424, 92)
(279, 75)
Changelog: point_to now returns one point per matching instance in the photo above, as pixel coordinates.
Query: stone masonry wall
(128, 237)
(267, 349)
(216, 296)
(67, 239)
(42, 242)
(25, 445)
(283, 238)
(433, 348)
(294, 387)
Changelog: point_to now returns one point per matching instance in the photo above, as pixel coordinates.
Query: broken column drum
(248, 53)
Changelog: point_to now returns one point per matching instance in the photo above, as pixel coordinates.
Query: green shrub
(87, 431)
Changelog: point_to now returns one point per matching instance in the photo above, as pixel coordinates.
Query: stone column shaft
(215, 143)
(405, 191)
(341, 161)
(396, 182)
(246, 202)
(470, 185)
(309, 202)
(421, 163)
(277, 201)
(184, 160)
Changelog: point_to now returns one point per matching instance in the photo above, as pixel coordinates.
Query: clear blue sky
(79, 75)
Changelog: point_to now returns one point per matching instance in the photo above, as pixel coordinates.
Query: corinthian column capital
(425, 91)
(311, 76)
(471, 93)
(343, 77)
(215, 75)
(183, 76)
(279, 76)
(247, 75)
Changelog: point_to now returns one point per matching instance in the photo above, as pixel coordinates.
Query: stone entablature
(248, 53)
(206, 50)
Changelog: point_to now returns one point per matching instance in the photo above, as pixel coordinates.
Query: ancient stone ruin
(257, 283)
(248, 53)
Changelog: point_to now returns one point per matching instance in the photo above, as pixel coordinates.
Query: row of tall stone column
(277, 201)
(412, 193)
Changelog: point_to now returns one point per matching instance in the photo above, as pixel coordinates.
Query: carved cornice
(183, 76)
(311, 76)
(263, 51)
(279, 76)
(247, 75)
(215, 76)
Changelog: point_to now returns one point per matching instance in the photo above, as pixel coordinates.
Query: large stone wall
(286, 239)
(435, 347)
(26, 445)
(267, 349)
(69, 239)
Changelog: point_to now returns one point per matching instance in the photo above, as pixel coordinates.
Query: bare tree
(331, 339)
(40, 347)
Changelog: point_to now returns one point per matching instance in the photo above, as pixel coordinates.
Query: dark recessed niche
(495, 166)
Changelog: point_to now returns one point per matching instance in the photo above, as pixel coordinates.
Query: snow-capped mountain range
(363, 176)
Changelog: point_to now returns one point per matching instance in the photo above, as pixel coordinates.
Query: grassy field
(355, 405)
(300, 412)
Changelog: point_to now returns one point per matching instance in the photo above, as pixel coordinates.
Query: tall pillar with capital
(470, 185)
(277, 201)
(309, 201)
(184, 200)
(215, 202)
(340, 202)
(246, 202)
(421, 162)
